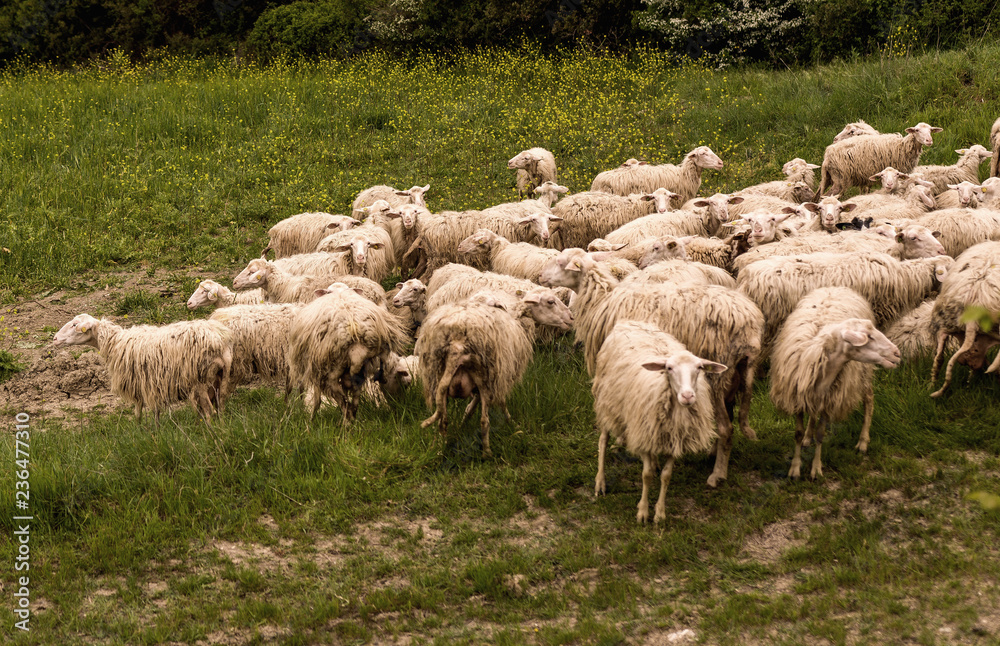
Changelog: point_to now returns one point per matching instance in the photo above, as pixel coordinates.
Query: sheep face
(718, 205)
(81, 330)
(524, 159)
(764, 226)
(855, 129)
(665, 248)
(254, 275)
(415, 194)
(922, 133)
(797, 165)
(920, 242)
(990, 190)
(600, 244)
(547, 309)
(479, 243)
(378, 207)
(980, 153)
(409, 293)
(206, 292)
(925, 195)
(968, 193)
(828, 211)
(682, 371)
(344, 222)
(407, 214)
(539, 223)
(566, 269)
(859, 340)
(661, 197)
(890, 178)
(704, 158)
(549, 192)
(358, 248)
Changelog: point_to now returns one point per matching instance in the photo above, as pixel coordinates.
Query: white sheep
(301, 233)
(535, 166)
(534, 213)
(853, 162)
(713, 211)
(962, 195)
(395, 197)
(789, 191)
(334, 344)
(646, 178)
(302, 264)
(412, 294)
(828, 213)
(549, 192)
(966, 169)
(675, 223)
(498, 254)
(916, 200)
(278, 285)
(405, 233)
(960, 228)
(649, 392)
(854, 129)
(594, 214)
(681, 272)
(368, 248)
(822, 366)
(259, 335)
(646, 251)
(212, 293)
(152, 367)
(799, 170)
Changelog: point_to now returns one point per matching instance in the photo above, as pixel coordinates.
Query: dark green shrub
(307, 29)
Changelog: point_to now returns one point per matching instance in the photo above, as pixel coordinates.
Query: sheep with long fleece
(534, 166)
(707, 251)
(650, 392)
(828, 212)
(333, 343)
(535, 213)
(541, 312)
(303, 264)
(959, 228)
(755, 203)
(395, 197)
(799, 170)
(716, 323)
(259, 336)
(852, 162)
(279, 286)
(964, 195)
(854, 129)
(911, 333)
(413, 295)
(675, 223)
(767, 227)
(914, 202)
(153, 367)
(405, 234)
(891, 287)
(822, 366)
(974, 281)
(681, 272)
(500, 255)
(659, 248)
(685, 180)
(471, 350)
(548, 193)
(794, 192)
(713, 211)
(593, 214)
(369, 250)
(301, 233)
(966, 169)
(995, 145)
(212, 293)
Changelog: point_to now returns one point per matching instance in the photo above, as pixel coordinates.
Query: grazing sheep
(211, 292)
(593, 214)
(964, 195)
(395, 197)
(152, 367)
(646, 178)
(995, 145)
(334, 343)
(966, 169)
(500, 255)
(853, 162)
(649, 393)
(974, 281)
(535, 166)
(472, 351)
(259, 336)
(822, 366)
(892, 287)
(911, 333)
(859, 127)
(368, 248)
(716, 323)
(549, 192)
(301, 233)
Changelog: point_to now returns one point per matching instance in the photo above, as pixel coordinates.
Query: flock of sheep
(676, 299)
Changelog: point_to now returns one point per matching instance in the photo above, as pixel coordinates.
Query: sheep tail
(971, 329)
(456, 357)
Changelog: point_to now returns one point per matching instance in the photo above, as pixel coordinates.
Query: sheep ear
(574, 266)
(789, 210)
(961, 151)
(425, 187)
(321, 292)
(342, 247)
(736, 199)
(399, 285)
(402, 193)
(659, 365)
(854, 337)
(812, 166)
(555, 218)
(257, 276)
(672, 244)
(532, 298)
(847, 208)
(618, 247)
(812, 206)
(953, 187)
(524, 220)
(359, 291)
(647, 198)
(936, 129)
(713, 367)
(844, 226)
(393, 214)
(876, 177)
(936, 234)
(83, 328)
(702, 203)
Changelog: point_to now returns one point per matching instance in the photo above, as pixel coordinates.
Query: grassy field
(265, 530)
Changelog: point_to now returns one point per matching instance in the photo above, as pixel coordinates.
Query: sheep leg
(647, 481)
(471, 407)
(723, 445)
(867, 424)
(138, 412)
(661, 502)
(602, 445)
(971, 329)
(995, 365)
(800, 434)
(451, 366)
(746, 394)
(484, 424)
(942, 338)
(817, 465)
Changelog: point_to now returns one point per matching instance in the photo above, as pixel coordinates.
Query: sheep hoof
(937, 393)
(643, 515)
(749, 433)
(599, 487)
(794, 473)
(713, 480)
(817, 472)
(661, 514)
(862, 446)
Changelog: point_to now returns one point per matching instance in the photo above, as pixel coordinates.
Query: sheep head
(206, 292)
(547, 309)
(254, 275)
(549, 192)
(567, 269)
(661, 197)
(890, 178)
(922, 133)
(82, 330)
(764, 226)
(539, 223)
(415, 194)
(968, 193)
(410, 293)
(479, 243)
(857, 340)
(828, 211)
(665, 248)
(682, 371)
(703, 157)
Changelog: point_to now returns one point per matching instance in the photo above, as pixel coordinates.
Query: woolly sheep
(302, 264)
(301, 233)
(974, 281)
(716, 323)
(212, 293)
(649, 393)
(676, 223)
(713, 211)
(766, 227)
(549, 192)
(152, 367)
(404, 233)
(960, 228)
(789, 191)
(259, 337)
(593, 214)
(990, 192)
(995, 145)
(278, 285)
(717, 252)
(966, 169)
(646, 251)
(755, 203)
(681, 272)
(535, 166)
(470, 351)
(395, 197)
(412, 294)
(859, 127)
(962, 195)
(916, 201)
(822, 366)
(534, 213)
(852, 162)
(799, 170)
(333, 343)
(911, 333)
(500, 255)
(646, 178)
(538, 311)
(828, 212)
(368, 248)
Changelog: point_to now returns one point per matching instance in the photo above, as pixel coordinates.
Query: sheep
(990, 193)
(962, 195)
(400, 373)
(714, 322)
(518, 259)
(717, 252)
(211, 292)
(549, 192)
(766, 227)
(412, 195)
(592, 214)
(681, 272)
(960, 228)
(646, 178)
(799, 170)
(405, 233)
(974, 281)
(301, 233)
(995, 145)
(892, 287)
(152, 367)
(789, 191)
(822, 366)
(753, 203)
(535, 213)
(859, 127)
(677, 223)
(714, 210)
(282, 287)
(828, 213)
(966, 169)
(916, 201)
(535, 166)
(302, 264)
(412, 294)
(472, 351)
(649, 392)
(333, 343)
(646, 251)
(369, 250)
(911, 333)
(259, 336)
(541, 312)
(852, 162)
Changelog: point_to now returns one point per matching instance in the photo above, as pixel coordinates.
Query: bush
(307, 29)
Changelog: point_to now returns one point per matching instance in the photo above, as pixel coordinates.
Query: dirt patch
(533, 527)
(778, 538)
(55, 383)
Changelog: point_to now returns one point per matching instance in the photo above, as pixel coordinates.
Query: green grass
(265, 529)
